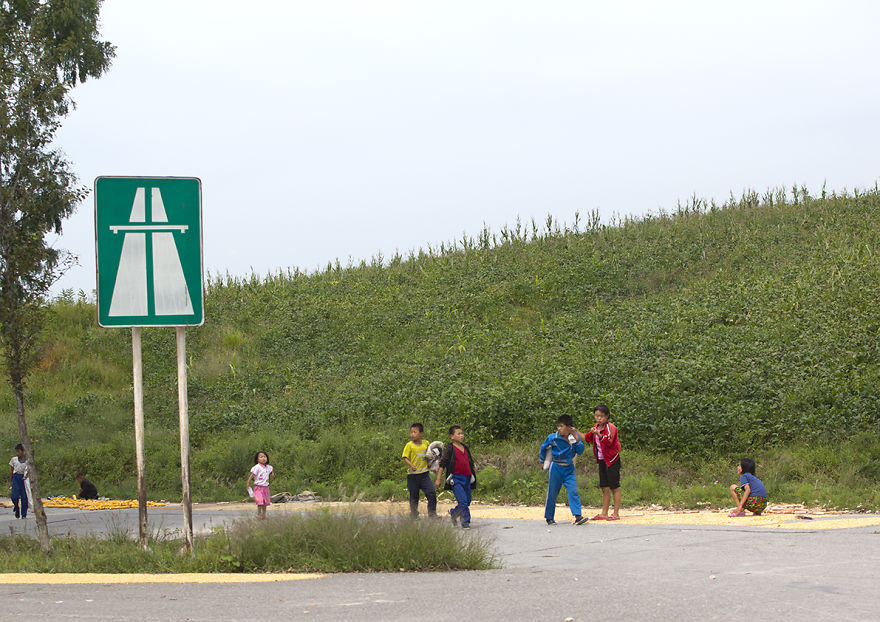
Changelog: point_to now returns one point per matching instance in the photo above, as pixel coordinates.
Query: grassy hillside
(712, 332)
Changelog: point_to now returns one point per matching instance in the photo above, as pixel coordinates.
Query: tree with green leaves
(48, 47)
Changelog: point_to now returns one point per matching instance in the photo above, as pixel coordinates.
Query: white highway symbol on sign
(170, 293)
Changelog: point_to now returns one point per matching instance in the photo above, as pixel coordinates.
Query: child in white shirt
(262, 473)
(18, 474)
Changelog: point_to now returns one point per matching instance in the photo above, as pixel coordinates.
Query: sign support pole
(150, 272)
(183, 403)
(138, 382)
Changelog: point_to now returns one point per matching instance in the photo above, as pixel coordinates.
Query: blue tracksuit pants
(559, 476)
(19, 493)
(461, 488)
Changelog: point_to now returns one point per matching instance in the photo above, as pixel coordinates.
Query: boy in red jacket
(606, 448)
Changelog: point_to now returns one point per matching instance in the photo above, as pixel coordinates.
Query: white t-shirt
(19, 468)
(261, 474)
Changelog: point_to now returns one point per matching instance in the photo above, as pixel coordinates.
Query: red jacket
(607, 438)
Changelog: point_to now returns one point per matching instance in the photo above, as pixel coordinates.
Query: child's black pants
(417, 482)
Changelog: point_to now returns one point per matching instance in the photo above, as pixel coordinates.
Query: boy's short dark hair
(19, 446)
(564, 420)
(78, 475)
(602, 408)
(453, 428)
(748, 465)
(418, 426)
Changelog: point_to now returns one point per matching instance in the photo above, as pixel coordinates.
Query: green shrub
(319, 541)
(490, 479)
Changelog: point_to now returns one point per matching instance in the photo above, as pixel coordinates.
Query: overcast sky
(325, 129)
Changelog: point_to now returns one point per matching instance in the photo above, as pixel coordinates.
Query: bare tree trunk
(37, 501)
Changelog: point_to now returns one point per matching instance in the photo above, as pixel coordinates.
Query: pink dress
(261, 484)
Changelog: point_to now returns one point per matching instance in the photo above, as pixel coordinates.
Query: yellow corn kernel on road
(96, 504)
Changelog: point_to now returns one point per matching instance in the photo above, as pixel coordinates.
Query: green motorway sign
(148, 246)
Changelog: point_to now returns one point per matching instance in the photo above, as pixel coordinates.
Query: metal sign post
(183, 406)
(148, 247)
(138, 382)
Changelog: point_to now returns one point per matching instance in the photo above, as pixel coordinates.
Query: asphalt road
(618, 571)
(168, 519)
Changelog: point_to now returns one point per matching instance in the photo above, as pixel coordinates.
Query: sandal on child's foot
(613, 517)
(599, 517)
(737, 513)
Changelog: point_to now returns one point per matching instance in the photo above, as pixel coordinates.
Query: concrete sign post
(148, 249)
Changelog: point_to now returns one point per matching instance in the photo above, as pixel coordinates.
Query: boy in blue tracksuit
(565, 445)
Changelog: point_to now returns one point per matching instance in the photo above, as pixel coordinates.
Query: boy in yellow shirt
(418, 478)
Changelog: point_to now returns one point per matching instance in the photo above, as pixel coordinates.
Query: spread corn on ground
(782, 516)
(96, 504)
(777, 516)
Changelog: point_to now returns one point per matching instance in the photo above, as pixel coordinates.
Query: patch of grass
(351, 542)
(317, 542)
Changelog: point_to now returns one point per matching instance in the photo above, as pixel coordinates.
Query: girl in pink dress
(262, 473)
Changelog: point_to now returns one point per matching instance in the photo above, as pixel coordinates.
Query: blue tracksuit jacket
(561, 472)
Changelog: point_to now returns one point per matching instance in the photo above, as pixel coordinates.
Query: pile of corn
(96, 504)
(794, 508)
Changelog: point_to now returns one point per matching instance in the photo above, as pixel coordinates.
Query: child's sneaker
(580, 520)
(15, 511)
(465, 525)
(454, 516)
(550, 521)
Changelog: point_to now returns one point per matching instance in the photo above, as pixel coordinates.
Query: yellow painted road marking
(68, 578)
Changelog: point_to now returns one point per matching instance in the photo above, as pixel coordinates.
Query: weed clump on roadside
(316, 542)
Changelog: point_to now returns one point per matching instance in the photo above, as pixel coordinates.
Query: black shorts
(609, 476)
